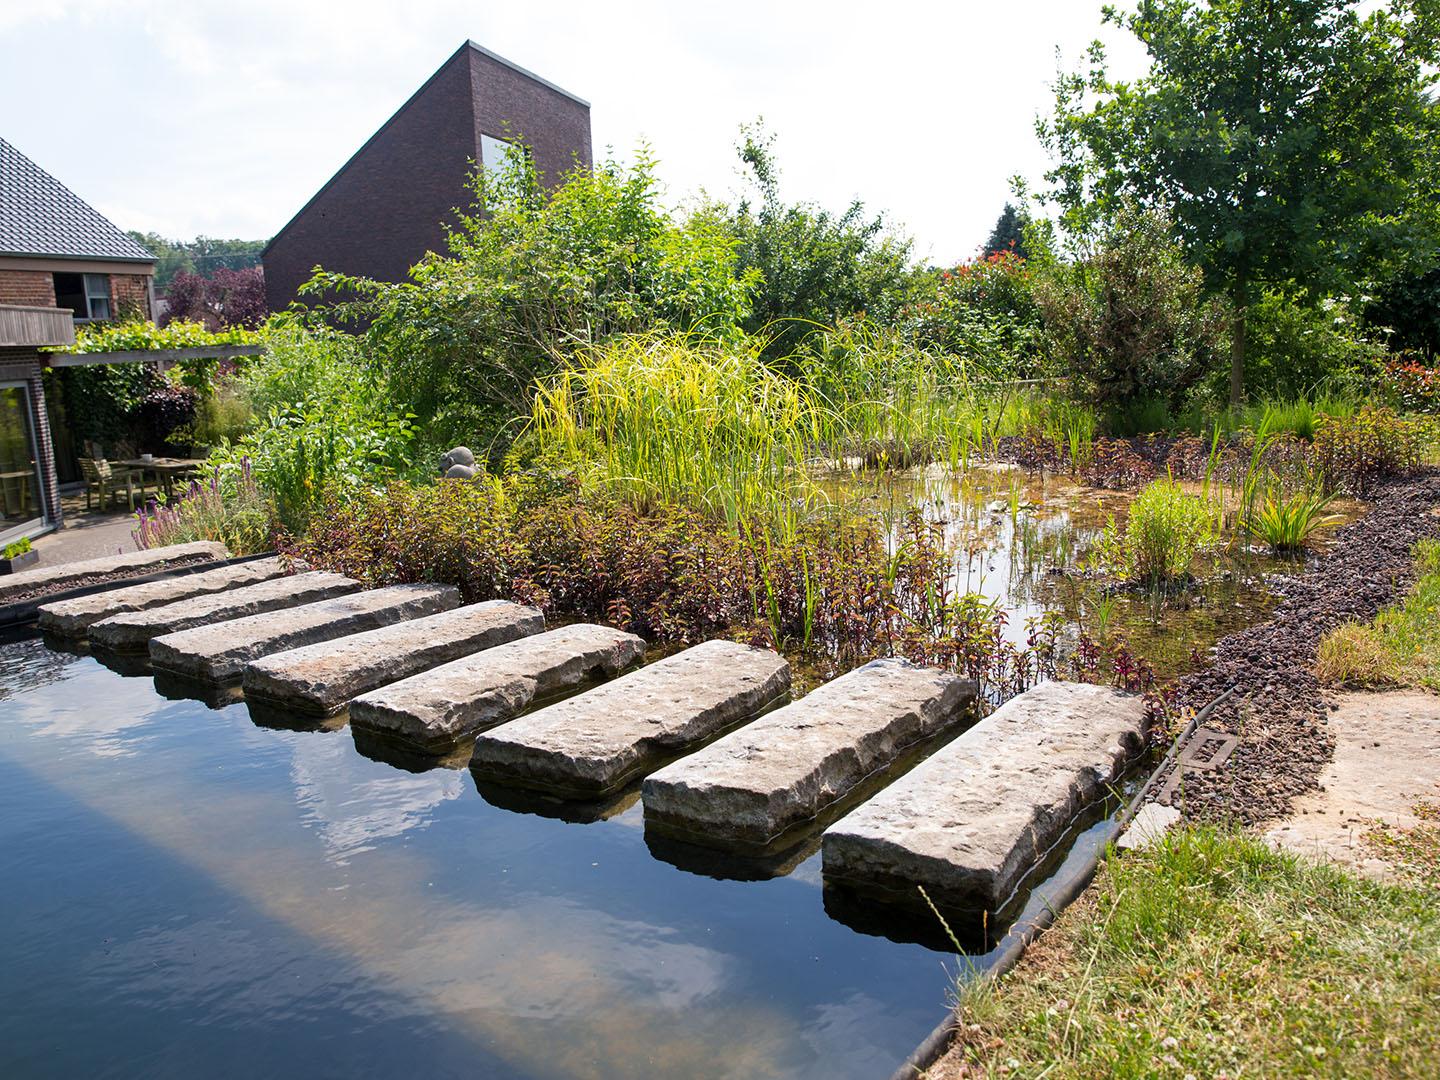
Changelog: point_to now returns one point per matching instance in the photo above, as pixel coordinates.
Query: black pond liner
(1050, 897)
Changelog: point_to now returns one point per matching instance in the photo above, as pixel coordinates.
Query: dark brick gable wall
(383, 211)
(555, 127)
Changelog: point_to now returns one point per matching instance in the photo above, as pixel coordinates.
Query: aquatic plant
(1286, 522)
(1165, 530)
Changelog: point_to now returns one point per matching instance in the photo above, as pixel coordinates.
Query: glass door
(21, 507)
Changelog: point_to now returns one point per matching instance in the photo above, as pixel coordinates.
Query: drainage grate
(1207, 749)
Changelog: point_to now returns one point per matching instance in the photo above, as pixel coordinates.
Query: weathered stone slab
(771, 776)
(73, 618)
(218, 653)
(439, 708)
(133, 631)
(968, 823)
(592, 744)
(322, 679)
(76, 575)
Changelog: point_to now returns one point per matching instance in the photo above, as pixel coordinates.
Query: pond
(189, 891)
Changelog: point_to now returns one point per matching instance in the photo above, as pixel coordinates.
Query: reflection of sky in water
(217, 897)
(355, 802)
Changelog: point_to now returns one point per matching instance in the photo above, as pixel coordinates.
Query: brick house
(388, 205)
(61, 262)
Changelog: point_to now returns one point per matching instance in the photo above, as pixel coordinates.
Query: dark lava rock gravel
(1278, 709)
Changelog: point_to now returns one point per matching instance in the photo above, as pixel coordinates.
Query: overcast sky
(194, 117)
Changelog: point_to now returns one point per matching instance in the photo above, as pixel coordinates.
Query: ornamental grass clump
(1287, 522)
(1166, 530)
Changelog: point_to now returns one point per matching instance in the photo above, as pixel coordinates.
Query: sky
(192, 117)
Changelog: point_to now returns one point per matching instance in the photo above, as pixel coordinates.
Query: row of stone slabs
(745, 771)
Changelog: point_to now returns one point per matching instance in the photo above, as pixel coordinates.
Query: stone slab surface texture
(134, 563)
(218, 653)
(971, 820)
(594, 743)
(133, 630)
(1386, 763)
(789, 765)
(1150, 824)
(322, 679)
(445, 705)
(72, 618)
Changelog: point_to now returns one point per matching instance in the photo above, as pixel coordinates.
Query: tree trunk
(1240, 296)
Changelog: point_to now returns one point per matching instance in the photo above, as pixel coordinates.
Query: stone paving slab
(439, 708)
(594, 743)
(322, 679)
(74, 575)
(969, 822)
(774, 775)
(73, 618)
(133, 631)
(219, 652)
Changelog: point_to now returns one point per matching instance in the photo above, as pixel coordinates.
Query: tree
(1292, 141)
(1008, 234)
(225, 298)
(813, 267)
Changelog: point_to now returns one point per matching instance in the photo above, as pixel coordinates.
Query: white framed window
(87, 295)
(97, 294)
(495, 154)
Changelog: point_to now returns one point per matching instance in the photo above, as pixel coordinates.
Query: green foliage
(1406, 312)
(243, 518)
(1293, 143)
(1297, 347)
(1166, 529)
(1211, 954)
(1131, 322)
(985, 312)
(17, 547)
(1008, 235)
(203, 255)
(140, 335)
(321, 423)
(1287, 522)
(811, 267)
(1352, 453)
(531, 276)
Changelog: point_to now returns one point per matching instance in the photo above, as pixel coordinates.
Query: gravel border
(1279, 711)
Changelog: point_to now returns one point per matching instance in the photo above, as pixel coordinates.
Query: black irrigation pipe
(1063, 893)
(25, 611)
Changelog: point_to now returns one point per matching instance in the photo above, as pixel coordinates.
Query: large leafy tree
(1292, 141)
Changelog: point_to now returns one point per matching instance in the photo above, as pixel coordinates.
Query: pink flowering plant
(239, 515)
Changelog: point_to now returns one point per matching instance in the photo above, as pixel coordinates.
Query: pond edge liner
(1012, 947)
(24, 612)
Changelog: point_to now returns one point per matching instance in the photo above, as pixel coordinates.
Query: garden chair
(103, 479)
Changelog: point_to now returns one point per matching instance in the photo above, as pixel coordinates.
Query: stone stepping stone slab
(320, 680)
(219, 652)
(75, 575)
(133, 631)
(592, 744)
(770, 777)
(969, 823)
(73, 618)
(434, 711)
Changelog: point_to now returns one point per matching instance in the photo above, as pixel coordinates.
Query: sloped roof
(39, 216)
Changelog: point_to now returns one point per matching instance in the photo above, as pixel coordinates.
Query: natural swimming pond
(191, 891)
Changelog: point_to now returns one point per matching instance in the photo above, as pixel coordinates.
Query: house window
(87, 295)
(495, 153)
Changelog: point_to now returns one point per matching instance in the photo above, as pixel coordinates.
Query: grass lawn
(1214, 956)
(1401, 647)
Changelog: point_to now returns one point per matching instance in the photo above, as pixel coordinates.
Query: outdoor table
(166, 469)
(23, 498)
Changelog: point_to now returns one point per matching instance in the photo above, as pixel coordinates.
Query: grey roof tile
(41, 216)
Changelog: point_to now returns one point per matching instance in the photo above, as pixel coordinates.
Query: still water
(187, 893)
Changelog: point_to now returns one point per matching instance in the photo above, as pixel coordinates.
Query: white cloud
(222, 118)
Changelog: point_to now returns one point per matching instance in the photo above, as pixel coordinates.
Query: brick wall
(31, 288)
(24, 366)
(130, 292)
(384, 209)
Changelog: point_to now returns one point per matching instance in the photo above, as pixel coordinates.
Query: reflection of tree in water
(28, 665)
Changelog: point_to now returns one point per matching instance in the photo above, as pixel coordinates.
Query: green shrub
(985, 311)
(17, 547)
(530, 275)
(1165, 531)
(1132, 322)
(1352, 453)
(1295, 347)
